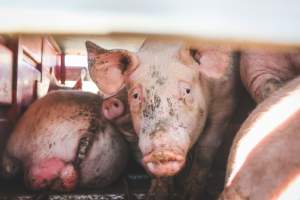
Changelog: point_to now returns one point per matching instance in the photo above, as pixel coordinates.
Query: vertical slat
(6, 75)
(63, 69)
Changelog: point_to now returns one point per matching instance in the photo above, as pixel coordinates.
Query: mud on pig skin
(264, 71)
(264, 159)
(63, 141)
(179, 98)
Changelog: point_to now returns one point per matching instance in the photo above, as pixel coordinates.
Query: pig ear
(211, 62)
(93, 49)
(110, 68)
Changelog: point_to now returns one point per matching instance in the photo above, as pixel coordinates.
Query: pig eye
(185, 90)
(135, 99)
(135, 95)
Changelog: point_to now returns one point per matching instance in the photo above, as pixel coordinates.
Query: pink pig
(64, 140)
(264, 160)
(179, 98)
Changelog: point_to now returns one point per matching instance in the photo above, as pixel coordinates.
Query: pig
(264, 71)
(180, 101)
(64, 140)
(264, 159)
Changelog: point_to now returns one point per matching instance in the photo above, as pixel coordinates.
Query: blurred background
(257, 20)
(125, 24)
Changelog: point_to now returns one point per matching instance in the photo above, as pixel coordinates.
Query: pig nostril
(116, 105)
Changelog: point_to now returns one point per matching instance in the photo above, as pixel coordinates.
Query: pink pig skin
(264, 71)
(45, 143)
(180, 98)
(264, 158)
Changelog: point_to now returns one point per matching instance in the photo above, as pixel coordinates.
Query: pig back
(53, 125)
(264, 161)
(106, 159)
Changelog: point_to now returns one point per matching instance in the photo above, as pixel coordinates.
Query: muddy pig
(179, 98)
(264, 160)
(264, 71)
(62, 141)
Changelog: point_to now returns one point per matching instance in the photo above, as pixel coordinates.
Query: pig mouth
(164, 163)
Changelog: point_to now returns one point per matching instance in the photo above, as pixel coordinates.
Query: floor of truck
(135, 181)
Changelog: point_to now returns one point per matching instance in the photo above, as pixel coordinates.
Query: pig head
(168, 87)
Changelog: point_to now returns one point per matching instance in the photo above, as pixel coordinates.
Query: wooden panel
(6, 74)
(28, 66)
(32, 46)
(49, 58)
(28, 76)
(5, 126)
(49, 63)
(58, 67)
(63, 69)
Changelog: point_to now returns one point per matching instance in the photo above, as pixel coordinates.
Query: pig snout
(165, 157)
(112, 108)
(164, 163)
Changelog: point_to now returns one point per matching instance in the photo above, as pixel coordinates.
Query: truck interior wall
(24, 75)
(27, 77)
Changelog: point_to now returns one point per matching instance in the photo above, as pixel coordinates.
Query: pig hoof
(269, 87)
(10, 166)
(52, 173)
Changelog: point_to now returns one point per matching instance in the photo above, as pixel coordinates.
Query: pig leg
(53, 173)
(207, 145)
(264, 72)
